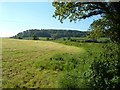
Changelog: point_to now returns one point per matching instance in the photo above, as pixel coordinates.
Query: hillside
(51, 33)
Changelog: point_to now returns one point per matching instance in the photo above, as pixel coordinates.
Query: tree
(35, 37)
(47, 38)
(20, 38)
(105, 70)
(68, 38)
(106, 27)
(55, 36)
(109, 11)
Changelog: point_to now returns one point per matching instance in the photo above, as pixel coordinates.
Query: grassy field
(43, 64)
(102, 39)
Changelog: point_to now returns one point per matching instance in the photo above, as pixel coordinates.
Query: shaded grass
(75, 78)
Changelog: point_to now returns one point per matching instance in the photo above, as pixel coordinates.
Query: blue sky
(16, 17)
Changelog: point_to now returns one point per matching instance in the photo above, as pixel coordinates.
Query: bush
(47, 38)
(68, 38)
(64, 39)
(35, 37)
(104, 72)
(20, 38)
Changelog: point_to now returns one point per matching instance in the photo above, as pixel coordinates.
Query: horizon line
(58, 29)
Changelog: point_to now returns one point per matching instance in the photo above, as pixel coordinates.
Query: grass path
(20, 56)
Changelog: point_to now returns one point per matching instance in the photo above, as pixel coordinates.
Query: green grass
(20, 58)
(46, 64)
(102, 39)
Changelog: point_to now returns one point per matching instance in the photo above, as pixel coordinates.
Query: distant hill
(58, 33)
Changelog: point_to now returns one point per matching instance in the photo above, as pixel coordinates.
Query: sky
(16, 17)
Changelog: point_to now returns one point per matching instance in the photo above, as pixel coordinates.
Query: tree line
(53, 33)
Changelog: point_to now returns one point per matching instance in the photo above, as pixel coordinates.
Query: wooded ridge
(51, 32)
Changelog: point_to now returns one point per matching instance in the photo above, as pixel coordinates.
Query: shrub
(35, 37)
(20, 38)
(68, 38)
(104, 72)
(64, 39)
(47, 38)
